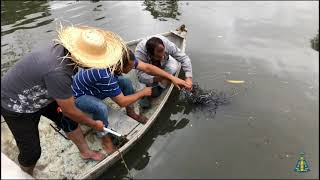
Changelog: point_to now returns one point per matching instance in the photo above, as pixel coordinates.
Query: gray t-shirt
(37, 79)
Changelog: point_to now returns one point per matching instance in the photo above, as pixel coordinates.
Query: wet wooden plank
(120, 122)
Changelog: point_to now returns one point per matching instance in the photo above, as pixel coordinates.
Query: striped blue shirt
(99, 83)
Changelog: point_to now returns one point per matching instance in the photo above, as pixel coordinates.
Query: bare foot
(107, 144)
(94, 155)
(140, 118)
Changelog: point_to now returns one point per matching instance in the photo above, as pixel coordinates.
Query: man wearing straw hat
(41, 82)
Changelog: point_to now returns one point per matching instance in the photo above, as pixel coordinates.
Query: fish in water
(203, 98)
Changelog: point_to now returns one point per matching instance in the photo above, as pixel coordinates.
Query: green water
(266, 44)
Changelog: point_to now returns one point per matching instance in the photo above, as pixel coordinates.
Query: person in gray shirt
(40, 83)
(161, 52)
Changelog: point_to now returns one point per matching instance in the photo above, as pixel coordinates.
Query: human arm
(189, 82)
(71, 111)
(124, 101)
(185, 64)
(58, 85)
(181, 57)
(157, 72)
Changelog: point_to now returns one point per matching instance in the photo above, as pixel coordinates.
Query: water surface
(267, 44)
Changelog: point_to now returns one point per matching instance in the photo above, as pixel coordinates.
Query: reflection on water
(163, 9)
(94, 1)
(315, 42)
(263, 43)
(30, 14)
(164, 127)
(17, 16)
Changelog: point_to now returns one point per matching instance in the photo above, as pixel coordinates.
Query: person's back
(24, 88)
(95, 82)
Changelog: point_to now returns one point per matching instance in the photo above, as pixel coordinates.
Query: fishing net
(205, 99)
(200, 96)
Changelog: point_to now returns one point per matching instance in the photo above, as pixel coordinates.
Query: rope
(118, 142)
(121, 141)
(124, 162)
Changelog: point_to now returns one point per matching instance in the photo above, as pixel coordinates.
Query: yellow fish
(235, 81)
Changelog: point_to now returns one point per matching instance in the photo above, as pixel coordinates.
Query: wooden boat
(60, 158)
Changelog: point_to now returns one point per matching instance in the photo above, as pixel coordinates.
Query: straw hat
(92, 47)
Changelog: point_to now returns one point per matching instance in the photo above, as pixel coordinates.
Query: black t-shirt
(37, 79)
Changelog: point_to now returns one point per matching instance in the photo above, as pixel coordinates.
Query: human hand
(98, 125)
(189, 82)
(179, 82)
(147, 91)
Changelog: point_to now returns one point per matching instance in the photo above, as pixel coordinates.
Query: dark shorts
(24, 127)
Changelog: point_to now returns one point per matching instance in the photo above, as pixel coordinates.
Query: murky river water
(267, 44)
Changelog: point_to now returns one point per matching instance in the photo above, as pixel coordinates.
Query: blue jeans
(126, 87)
(97, 107)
